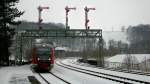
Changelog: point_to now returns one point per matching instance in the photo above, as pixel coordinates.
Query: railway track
(103, 75)
(44, 78)
(127, 71)
(57, 78)
(122, 70)
(60, 78)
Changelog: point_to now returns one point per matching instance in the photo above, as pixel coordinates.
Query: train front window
(43, 53)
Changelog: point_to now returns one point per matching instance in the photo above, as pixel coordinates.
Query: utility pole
(40, 9)
(86, 9)
(67, 10)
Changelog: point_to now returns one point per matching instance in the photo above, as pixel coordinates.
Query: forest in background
(34, 25)
(139, 42)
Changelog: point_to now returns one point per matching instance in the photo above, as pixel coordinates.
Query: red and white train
(43, 57)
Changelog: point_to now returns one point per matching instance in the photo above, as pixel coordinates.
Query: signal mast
(40, 9)
(86, 16)
(67, 10)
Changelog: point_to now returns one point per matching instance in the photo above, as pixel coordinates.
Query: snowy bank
(137, 60)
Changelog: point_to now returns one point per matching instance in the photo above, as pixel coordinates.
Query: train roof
(43, 45)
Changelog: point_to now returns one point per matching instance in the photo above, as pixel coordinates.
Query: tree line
(8, 13)
(139, 39)
(34, 25)
(139, 42)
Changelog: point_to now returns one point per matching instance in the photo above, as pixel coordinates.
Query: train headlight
(38, 58)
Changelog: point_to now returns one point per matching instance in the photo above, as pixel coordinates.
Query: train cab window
(43, 53)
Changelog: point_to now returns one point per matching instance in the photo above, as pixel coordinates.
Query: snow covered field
(140, 60)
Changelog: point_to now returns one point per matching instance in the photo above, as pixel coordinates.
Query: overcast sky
(108, 14)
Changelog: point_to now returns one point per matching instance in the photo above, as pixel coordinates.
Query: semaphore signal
(86, 9)
(40, 9)
(67, 10)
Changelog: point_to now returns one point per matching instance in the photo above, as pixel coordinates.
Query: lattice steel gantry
(28, 35)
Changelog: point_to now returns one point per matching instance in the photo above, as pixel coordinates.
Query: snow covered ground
(140, 60)
(19, 75)
(127, 75)
(79, 78)
(120, 57)
(15, 75)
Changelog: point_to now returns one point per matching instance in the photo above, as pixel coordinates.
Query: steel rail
(44, 79)
(59, 78)
(95, 74)
(122, 70)
(140, 81)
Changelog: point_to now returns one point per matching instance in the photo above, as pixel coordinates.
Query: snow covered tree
(8, 12)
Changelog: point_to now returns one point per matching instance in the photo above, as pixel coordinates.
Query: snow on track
(74, 61)
(127, 75)
(52, 79)
(75, 77)
(101, 75)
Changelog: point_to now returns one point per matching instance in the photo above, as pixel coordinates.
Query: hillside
(33, 25)
(114, 35)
